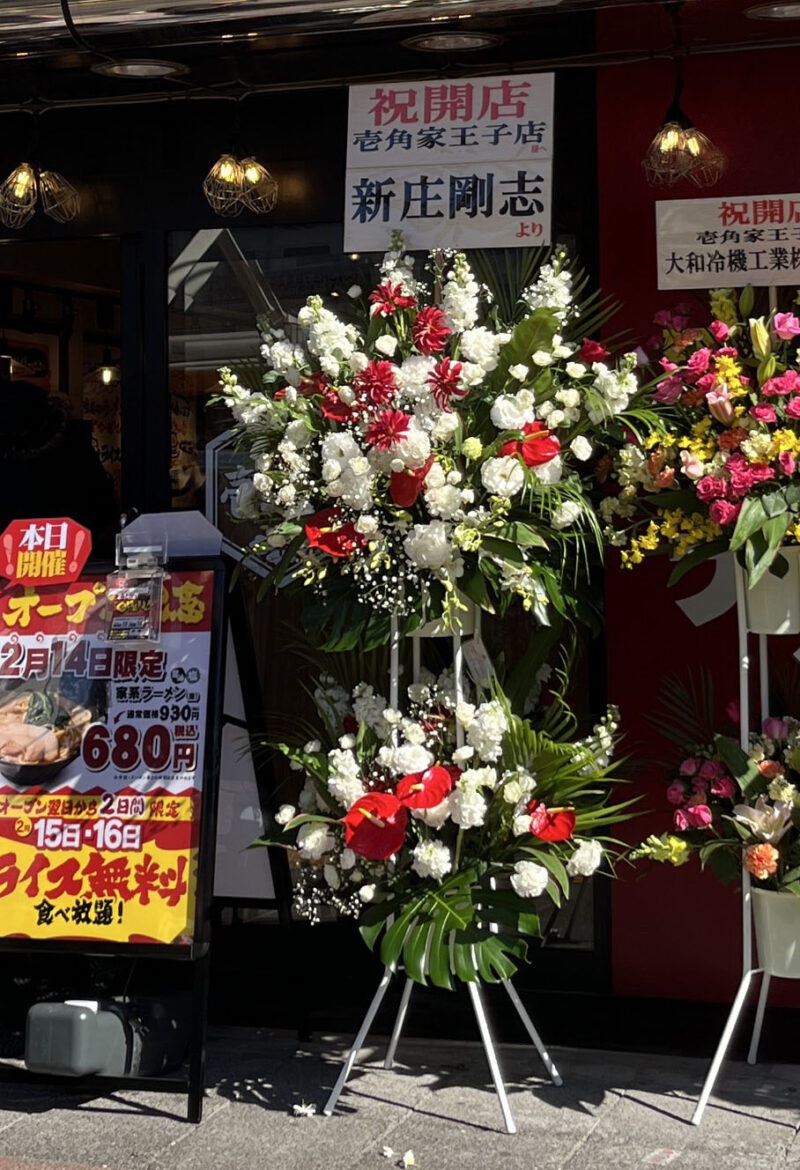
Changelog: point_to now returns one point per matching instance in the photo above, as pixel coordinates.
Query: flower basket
(772, 606)
(777, 919)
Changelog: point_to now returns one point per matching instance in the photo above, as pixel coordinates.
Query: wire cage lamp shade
(234, 184)
(26, 186)
(681, 151)
(18, 195)
(59, 198)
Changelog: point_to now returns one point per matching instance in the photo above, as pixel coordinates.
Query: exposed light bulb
(106, 375)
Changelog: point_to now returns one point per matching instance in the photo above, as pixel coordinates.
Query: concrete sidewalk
(614, 1110)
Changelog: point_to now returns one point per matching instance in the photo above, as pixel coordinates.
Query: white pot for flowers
(773, 604)
(777, 919)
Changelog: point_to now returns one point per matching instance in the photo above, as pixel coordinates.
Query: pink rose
(763, 412)
(721, 512)
(669, 390)
(775, 728)
(698, 363)
(719, 330)
(787, 383)
(786, 326)
(709, 488)
(786, 462)
(793, 407)
(667, 366)
(689, 766)
(680, 820)
(675, 792)
(698, 816)
(711, 769)
(733, 711)
(723, 786)
(724, 513)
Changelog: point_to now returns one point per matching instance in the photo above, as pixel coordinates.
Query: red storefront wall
(676, 932)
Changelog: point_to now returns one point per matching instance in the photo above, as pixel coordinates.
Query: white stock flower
(581, 448)
(345, 782)
(485, 732)
(529, 879)
(313, 841)
(411, 757)
(285, 813)
(565, 514)
(462, 754)
(431, 859)
(585, 859)
(503, 476)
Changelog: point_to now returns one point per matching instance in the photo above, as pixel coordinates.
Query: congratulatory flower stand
(474, 987)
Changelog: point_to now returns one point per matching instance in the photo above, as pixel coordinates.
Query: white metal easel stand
(476, 997)
(748, 970)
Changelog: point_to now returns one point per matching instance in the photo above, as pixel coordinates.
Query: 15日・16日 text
(112, 835)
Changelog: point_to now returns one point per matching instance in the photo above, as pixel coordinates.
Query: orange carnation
(761, 861)
(770, 769)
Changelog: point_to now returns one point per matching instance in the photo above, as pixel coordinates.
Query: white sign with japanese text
(453, 164)
(730, 241)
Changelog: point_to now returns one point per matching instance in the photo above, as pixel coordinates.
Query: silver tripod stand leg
(361, 1036)
(491, 1056)
(722, 1047)
(398, 1024)
(547, 1060)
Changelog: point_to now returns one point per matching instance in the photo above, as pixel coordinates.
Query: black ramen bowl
(31, 775)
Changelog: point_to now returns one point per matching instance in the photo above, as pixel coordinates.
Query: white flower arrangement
(408, 827)
(428, 451)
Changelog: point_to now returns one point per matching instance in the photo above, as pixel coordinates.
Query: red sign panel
(44, 552)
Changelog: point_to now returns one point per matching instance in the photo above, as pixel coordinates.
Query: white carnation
(482, 346)
(313, 841)
(503, 476)
(565, 514)
(529, 879)
(431, 859)
(549, 473)
(519, 372)
(508, 414)
(575, 369)
(386, 344)
(429, 546)
(285, 813)
(468, 807)
(411, 757)
(585, 860)
(433, 817)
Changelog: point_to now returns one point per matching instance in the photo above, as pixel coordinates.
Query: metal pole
(394, 663)
(416, 663)
(744, 742)
(763, 677)
(398, 1024)
(361, 1036)
(547, 1059)
(759, 1020)
(722, 1047)
(458, 670)
(491, 1055)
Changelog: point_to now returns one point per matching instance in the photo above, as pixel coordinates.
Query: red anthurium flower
(316, 383)
(429, 330)
(551, 824)
(375, 826)
(323, 532)
(592, 351)
(538, 446)
(388, 428)
(405, 486)
(387, 298)
(376, 383)
(333, 407)
(444, 382)
(425, 789)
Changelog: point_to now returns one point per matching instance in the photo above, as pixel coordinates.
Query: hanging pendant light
(18, 194)
(59, 198)
(223, 186)
(679, 150)
(260, 189)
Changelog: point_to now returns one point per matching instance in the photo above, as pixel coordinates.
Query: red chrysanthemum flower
(429, 330)
(337, 540)
(425, 789)
(444, 382)
(387, 298)
(538, 446)
(551, 824)
(375, 826)
(405, 486)
(376, 383)
(388, 428)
